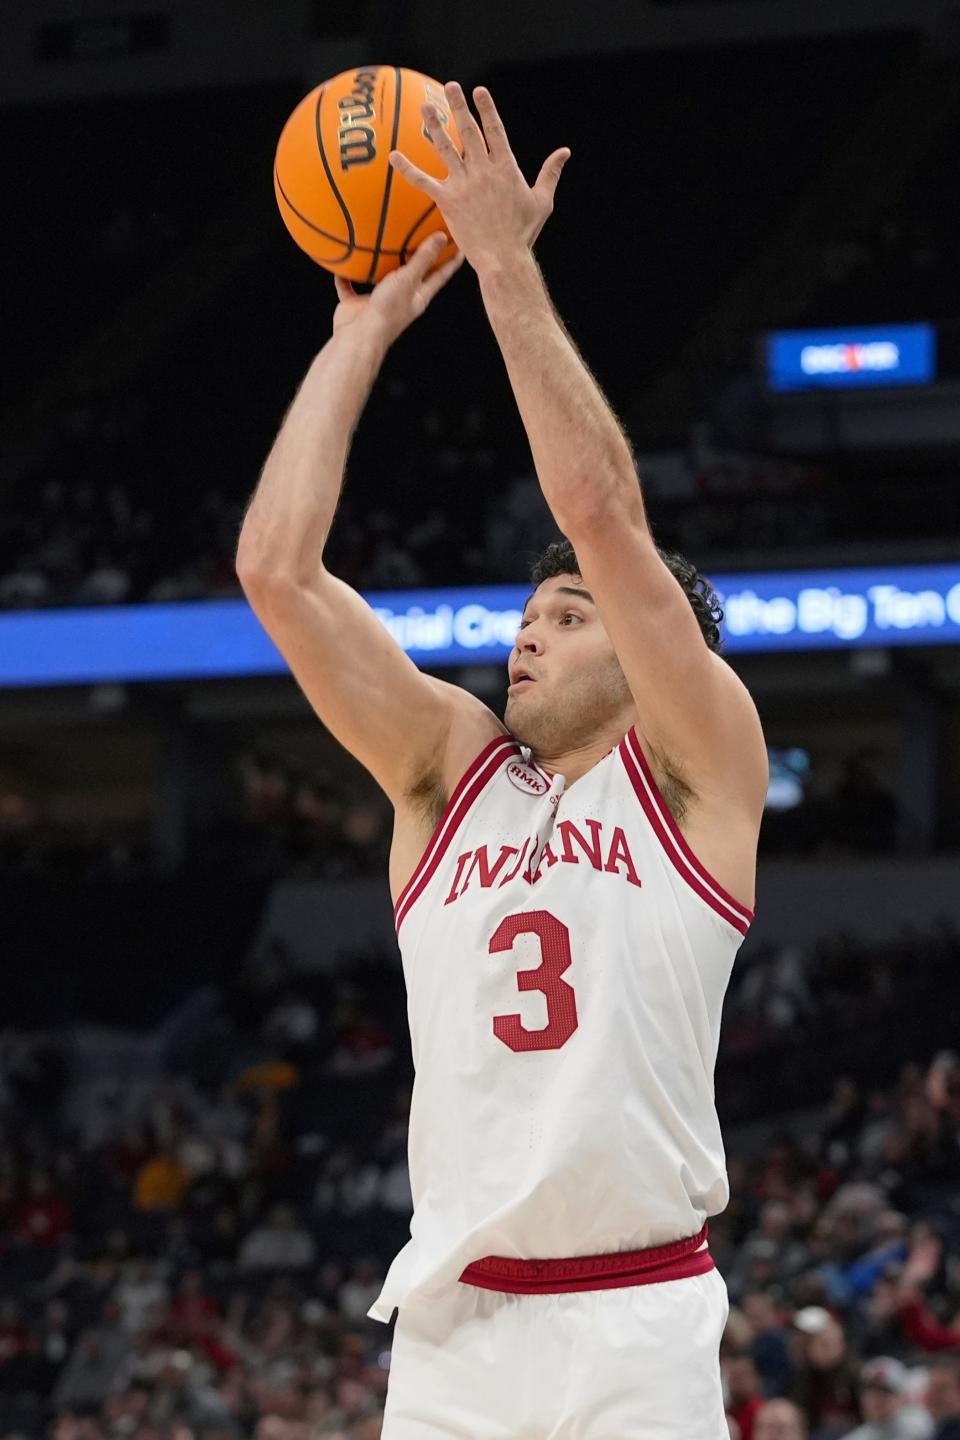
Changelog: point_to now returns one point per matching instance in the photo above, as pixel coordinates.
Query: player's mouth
(520, 680)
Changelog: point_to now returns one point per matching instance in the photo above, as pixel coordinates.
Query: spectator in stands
(884, 1400)
(44, 1216)
(292, 1023)
(280, 1243)
(363, 835)
(395, 1193)
(943, 1396)
(364, 1045)
(780, 1420)
(743, 1388)
(360, 1290)
(107, 583)
(194, 1311)
(54, 1341)
(25, 587)
(756, 1265)
(97, 1362)
(268, 1076)
(920, 1326)
(777, 1224)
(769, 1346)
(162, 1182)
(825, 1381)
(14, 1345)
(367, 1427)
(876, 1321)
(141, 1295)
(887, 1247)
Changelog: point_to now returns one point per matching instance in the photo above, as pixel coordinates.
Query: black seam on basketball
(312, 225)
(333, 184)
(317, 229)
(413, 230)
(389, 180)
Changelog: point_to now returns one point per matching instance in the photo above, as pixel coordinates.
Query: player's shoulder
(472, 726)
(471, 729)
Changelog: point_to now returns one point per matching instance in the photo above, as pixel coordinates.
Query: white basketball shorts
(636, 1362)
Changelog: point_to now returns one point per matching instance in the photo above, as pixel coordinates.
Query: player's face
(575, 686)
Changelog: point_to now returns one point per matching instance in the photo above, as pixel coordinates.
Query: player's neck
(574, 763)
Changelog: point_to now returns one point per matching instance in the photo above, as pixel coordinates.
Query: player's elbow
(600, 506)
(275, 575)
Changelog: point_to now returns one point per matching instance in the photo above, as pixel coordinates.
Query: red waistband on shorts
(592, 1272)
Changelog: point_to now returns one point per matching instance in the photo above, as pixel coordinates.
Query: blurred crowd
(792, 995)
(320, 824)
(283, 818)
(94, 523)
(308, 824)
(907, 258)
(840, 1251)
(190, 1235)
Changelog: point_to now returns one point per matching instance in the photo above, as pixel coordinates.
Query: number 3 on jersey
(554, 940)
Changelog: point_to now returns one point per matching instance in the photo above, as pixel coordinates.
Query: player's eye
(571, 615)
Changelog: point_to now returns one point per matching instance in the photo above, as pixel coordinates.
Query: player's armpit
(366, 690)
(692, 707)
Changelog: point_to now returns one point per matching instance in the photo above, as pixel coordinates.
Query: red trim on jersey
(471, 783)
(671, 838)
(592, 1272)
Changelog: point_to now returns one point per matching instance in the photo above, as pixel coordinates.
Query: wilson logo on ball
(335, 187)
(358, 142)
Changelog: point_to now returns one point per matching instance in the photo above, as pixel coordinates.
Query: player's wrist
(368, 333)
(507, 263)
(513, 292)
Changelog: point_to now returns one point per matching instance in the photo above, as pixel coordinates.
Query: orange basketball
(339, 196)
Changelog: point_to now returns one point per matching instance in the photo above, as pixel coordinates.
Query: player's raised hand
(401, 297)
(487, 205)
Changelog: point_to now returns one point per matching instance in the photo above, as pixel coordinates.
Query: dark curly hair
(559, 559)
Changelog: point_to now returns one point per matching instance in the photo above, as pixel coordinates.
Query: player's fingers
(416, 177)
(494, 130)
(424, 256)
(437, 281)
(549, 177)
(345, 290)
(474, 145)
(440, 136)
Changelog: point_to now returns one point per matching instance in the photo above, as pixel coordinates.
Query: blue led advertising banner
(769, 611)
(852, 358)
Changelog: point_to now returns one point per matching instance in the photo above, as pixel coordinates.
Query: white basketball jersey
(566, 958)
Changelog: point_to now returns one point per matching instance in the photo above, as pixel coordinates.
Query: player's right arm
(367, 692)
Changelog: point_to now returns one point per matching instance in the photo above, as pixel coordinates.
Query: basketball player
(571, 884)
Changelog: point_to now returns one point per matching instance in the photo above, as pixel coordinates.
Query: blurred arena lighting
(871, 355)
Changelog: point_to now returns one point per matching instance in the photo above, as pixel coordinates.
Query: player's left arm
(691, 706)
